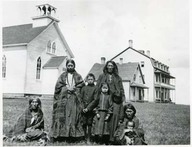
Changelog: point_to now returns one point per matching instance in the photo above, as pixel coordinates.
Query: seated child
(129, 133)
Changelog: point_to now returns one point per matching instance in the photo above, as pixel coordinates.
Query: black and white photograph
(95, 72)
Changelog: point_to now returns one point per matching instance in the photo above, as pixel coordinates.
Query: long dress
(117, 91)
(67, 107)
(104, 108)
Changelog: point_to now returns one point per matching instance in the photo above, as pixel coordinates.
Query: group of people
(93, 112)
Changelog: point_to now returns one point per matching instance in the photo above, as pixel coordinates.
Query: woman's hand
(107, 117)
(29, 129)
(98, 116)
(85, 110)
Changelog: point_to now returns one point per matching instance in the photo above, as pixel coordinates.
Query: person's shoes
(5, 138)
(42, 142)
(89, 142)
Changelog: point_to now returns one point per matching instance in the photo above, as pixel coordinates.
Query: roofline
(120, 53)
(50, 68)
(64, 41)
(18, 44)
(39, 17)
(42, 31)
(138, 52)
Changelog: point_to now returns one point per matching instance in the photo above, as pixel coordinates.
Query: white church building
(33, 55)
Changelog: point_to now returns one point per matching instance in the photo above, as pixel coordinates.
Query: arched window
(3, 66)
(49, 46)
(53, 47)
(38, 71)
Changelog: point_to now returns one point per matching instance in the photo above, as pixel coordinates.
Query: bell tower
(46, 14)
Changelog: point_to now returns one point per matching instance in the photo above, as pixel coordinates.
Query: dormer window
(51, 47)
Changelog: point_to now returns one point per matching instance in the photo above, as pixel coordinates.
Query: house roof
(133, 84)
(20, 33)
(54, 62)
(126, 70)
(150, 58)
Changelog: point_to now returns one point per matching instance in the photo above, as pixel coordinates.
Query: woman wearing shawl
(30, 125)
(67, 105)
(110, 76)
(129, 116)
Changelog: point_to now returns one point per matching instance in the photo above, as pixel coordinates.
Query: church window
(53, 47)
(38, 70)
(4, 66)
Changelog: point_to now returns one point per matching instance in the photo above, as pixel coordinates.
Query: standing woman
(67, 105)
(110, 75)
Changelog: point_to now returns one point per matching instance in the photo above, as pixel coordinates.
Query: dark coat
(118, 96)
(67, 108)
(89, 97)
(104, 108)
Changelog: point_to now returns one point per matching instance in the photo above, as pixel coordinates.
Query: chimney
(121, 61)
(45, 15)
(131, 43)
(102, 60)
(148, 53)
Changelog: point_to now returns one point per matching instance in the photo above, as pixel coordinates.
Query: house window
(53, 47)
(157, 94)
(134, 77)
(38, 71)
(49, 46)
(3, 66)
(134, 91)
(142, 63)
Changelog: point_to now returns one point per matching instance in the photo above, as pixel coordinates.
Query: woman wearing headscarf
(130, 116)
(67, 105)
(110, 75)
(30, 125)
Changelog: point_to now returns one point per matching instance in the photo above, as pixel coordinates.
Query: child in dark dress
(104, 110)
(88, 94)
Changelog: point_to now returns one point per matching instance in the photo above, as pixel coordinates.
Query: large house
(34, 55)
(132, 78)
(157, 76)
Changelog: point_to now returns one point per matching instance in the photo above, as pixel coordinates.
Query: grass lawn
(164, 124)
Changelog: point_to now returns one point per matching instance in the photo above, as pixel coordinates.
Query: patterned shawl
(24, 121)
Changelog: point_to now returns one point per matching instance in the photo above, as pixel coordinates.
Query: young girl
(103, 111)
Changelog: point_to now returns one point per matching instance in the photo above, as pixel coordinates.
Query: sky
(102, 28)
